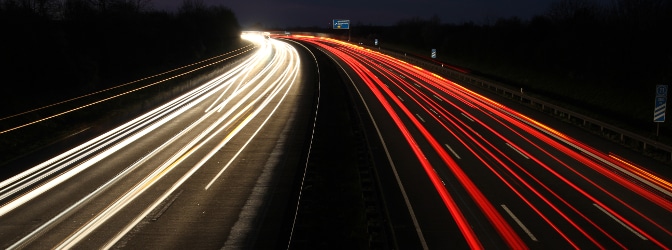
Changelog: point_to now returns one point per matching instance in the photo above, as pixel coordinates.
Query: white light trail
(110, 142)
(284, 81)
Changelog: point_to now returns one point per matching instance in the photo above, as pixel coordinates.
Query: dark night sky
(284, 13)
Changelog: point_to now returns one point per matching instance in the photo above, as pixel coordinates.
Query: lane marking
(620, 222)
(402, 99)
(465, 116)
(515, 149)
(453, 151)
(520, 223)
(420, 117)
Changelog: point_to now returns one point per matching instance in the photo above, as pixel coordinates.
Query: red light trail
(569, 162)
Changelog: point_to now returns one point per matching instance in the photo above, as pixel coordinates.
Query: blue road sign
(375, 42)
(340, 24)
(661, 103)
(433, 53)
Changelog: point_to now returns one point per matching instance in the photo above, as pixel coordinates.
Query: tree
(641, 14)
(191, 6)
(579, 11)
(50, 9)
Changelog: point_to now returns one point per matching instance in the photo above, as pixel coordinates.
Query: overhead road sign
(661, 103)
(341, 24)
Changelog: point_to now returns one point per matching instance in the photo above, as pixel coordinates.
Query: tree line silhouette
(605, 58)
(53, 49)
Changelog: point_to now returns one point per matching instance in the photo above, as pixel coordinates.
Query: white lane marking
(520, 223)
(402, 99)
(438, 98)
(465, 116)
(620, 222)
(515, 149)
(453, 151)
(420, 117)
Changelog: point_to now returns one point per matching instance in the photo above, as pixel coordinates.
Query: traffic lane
(209, 215)
(612, 195)
(479, 171)
(580, 227)
(237, 143)
(480, 224)
(240, 195)
(607, 191)
(655, 167)
(498, 194)
(491, 212)
(602, 176)
(487, 208)
(472, 117)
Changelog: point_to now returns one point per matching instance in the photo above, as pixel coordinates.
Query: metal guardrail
(627, 138)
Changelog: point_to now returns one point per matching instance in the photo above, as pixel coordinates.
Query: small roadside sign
(661, 103)
(433, 53)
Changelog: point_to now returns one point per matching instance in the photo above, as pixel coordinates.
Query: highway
(472, 173)
(217, 166)
(199, 171)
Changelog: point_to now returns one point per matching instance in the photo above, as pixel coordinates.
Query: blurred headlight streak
(243, 98)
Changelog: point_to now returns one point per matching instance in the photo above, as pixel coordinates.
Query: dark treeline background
(54, 49)
(602, 59)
